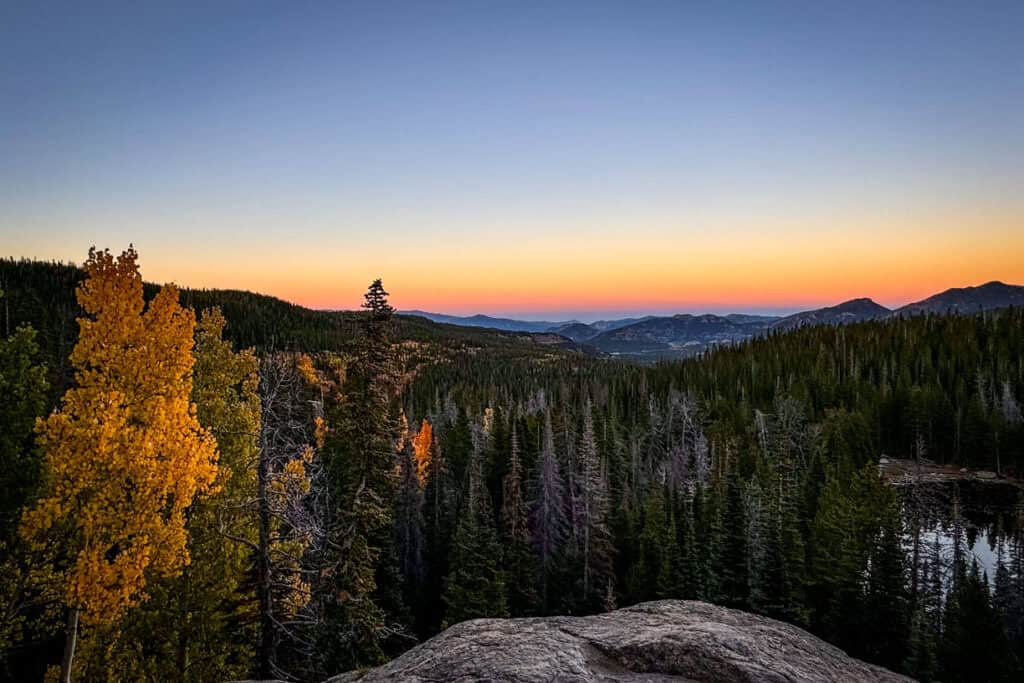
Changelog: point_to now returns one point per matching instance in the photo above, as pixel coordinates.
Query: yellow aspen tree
(199, 625)
(421, 444)
(125, 454)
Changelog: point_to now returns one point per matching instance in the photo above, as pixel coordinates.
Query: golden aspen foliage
(124, 454)
(305, 366)
(421, 444)
(198, 625)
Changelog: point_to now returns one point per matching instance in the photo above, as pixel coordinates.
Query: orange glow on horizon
(770, 263)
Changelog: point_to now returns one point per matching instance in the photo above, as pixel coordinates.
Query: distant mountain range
(504, 324)
(657, 337)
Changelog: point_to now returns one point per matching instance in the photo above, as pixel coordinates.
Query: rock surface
(670, 640)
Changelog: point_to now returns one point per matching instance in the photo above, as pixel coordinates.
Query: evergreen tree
(974, 643)
(475, 586)
(691, 586)
(838, 560)
(361, 475)
(548, 516)
(410, 540)
(734, 568)
(520, 562)
(440, 509)
(886, 638)
(651, 560)
(594, 544)
(24, 388)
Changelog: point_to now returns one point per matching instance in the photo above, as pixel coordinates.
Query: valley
(659, 338)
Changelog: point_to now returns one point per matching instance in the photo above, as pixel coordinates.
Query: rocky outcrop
(669, 640)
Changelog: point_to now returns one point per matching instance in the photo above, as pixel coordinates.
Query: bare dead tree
(288, 510)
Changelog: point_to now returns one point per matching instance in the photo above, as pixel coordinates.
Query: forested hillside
(352, 484)
(42, 294)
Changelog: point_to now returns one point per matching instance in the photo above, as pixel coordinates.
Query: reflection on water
(985, 548)
(985, 517)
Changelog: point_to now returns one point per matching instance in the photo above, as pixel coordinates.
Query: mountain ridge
(491, 322)
(645, 338)
(684, 334)
(853, 310)
(985, 297)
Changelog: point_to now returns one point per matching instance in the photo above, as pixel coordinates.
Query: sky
(555, 159)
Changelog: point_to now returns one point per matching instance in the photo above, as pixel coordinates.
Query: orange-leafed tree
(125, 454)
(421, 444)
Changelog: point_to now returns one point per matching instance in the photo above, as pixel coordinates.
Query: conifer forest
(207, 485)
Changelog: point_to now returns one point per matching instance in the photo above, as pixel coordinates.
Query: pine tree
(361, 476)
(669, 582)
(476, 585)
(837, 564)
(735, 575)
(651, 559)
(707, 523)
(594, 544)
(520, 561)
(690, 574)
(409, 525)
(548, 517)
(24, 388)
(440, 509)
(974, 642)
(886, 640)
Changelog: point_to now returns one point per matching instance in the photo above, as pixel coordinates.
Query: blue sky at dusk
(538, 158)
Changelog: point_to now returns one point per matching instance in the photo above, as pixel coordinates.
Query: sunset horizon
(564, 307)
(492, 159)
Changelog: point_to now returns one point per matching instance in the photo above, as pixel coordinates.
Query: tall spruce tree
(734, 567)
(520, 561)
(548, 512)
(24, 388)
(594, 542)
(410, 540)
(476, 584)
(974, 642)
(361, 475)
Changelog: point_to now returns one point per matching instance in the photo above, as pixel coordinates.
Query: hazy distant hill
(744, 319)
(678, 335)
(605, 325)
(506, 324)
(986, 297)
(853, 311)
(578, 332)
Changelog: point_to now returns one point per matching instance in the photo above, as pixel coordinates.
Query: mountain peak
(985, 297)
(854, 310)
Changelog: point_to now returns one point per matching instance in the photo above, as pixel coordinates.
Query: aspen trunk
(70, 641)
